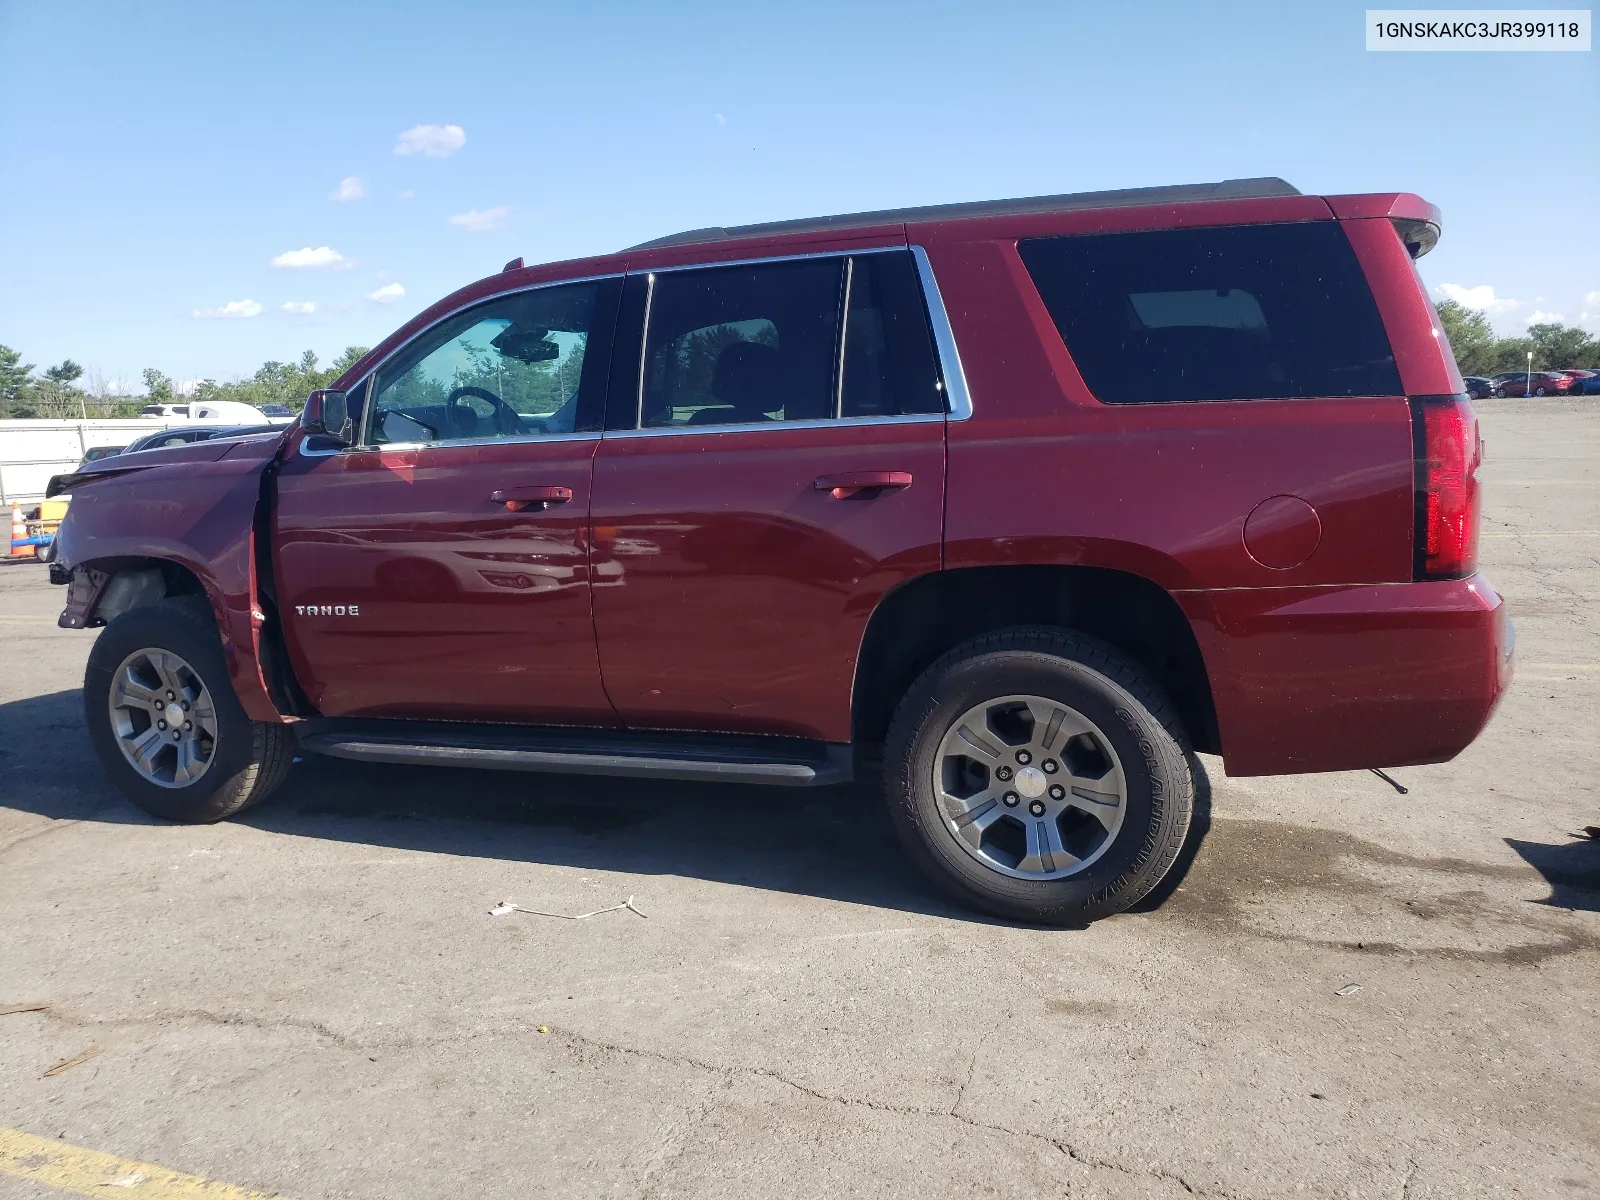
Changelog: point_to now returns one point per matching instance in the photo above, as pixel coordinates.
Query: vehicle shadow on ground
(1572, 869)
(834, 842)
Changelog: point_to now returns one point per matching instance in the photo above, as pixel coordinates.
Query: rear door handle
(520, 498)
(848, 483)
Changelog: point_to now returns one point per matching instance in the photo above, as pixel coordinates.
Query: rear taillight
(1444, 431)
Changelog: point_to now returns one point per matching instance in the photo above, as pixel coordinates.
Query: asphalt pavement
(1352, 992)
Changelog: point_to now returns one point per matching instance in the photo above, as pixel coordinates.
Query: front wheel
(1039, 775)
(165, 723)
(1538, 391)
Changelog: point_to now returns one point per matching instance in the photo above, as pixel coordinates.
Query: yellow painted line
(91, 1173)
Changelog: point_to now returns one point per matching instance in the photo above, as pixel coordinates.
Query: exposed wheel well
(920, 620)
(138, 581)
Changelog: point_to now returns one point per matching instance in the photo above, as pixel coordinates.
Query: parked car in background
(158, 411)
(277, 410)
(96, 453)
(182, 436)
(1538, 383)
(909, 492)
(1589, 385)
(1478, 387)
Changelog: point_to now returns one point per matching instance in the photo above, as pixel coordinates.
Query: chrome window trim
(644, 346)
(957, 397)
(773, 426)
(404, 447)
(844, 340)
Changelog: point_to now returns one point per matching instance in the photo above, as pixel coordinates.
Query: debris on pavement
(133, 1180)
(1349, 989)
(77, 1060)
(21, 1008)
(510, 906)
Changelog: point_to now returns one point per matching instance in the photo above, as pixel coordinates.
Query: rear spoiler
(1416, 221)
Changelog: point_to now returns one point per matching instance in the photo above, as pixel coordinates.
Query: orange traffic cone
(19, 533)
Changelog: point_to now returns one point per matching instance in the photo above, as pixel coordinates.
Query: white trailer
(32, 451)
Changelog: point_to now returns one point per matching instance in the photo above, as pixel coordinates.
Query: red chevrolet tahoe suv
(1026, 500)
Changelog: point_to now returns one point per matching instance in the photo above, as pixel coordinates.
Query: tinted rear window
(1232, 313)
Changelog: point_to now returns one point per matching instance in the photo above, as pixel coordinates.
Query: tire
(1538, 391)
(232, 761)
(1017, 681)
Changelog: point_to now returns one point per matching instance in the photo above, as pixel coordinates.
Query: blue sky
(155, 159)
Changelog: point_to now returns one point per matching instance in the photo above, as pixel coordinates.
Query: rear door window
(889, 363)
(803, 340)
(742, 345)
(1224, 313)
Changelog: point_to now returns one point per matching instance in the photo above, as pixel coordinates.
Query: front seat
(748, 380)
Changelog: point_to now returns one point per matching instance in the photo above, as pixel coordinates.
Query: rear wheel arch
(923, 618)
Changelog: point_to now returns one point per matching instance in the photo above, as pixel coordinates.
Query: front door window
(507, 368)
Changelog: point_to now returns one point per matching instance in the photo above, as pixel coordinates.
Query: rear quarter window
(1245, 312)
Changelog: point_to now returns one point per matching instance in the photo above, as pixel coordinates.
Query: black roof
(1227, 189)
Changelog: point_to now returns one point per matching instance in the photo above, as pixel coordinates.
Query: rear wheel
(1040, 776)
(1538, 391)
(165, 723)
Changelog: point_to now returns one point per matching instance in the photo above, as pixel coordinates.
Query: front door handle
(848, 483)
(518, 499)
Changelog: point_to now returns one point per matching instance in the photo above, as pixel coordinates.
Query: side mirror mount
(326, 416)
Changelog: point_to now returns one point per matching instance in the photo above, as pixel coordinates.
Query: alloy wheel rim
(1030, 787)
(163, 718)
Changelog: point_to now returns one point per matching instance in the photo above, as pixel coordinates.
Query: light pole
(1527, 387)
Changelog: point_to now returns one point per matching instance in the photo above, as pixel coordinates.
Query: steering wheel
(506, 419)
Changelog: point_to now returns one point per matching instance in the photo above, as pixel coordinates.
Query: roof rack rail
(1187, 193)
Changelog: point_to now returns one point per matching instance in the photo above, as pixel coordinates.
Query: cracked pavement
(313, 1000)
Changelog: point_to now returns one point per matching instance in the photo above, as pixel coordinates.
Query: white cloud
(299, 308)
(1540, 317)
(480, 220)
(351, 187)
(1480, 298)
(124, 387)
(1589, 318)
(187, 387)
(432, 141)
(306, 256)
(387, 294)
(404, 194)
(232, 309)
(721, 120)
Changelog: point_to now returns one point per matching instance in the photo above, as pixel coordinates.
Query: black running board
(704, 758)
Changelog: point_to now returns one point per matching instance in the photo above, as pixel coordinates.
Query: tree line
(63, 390)
(1479, 352)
